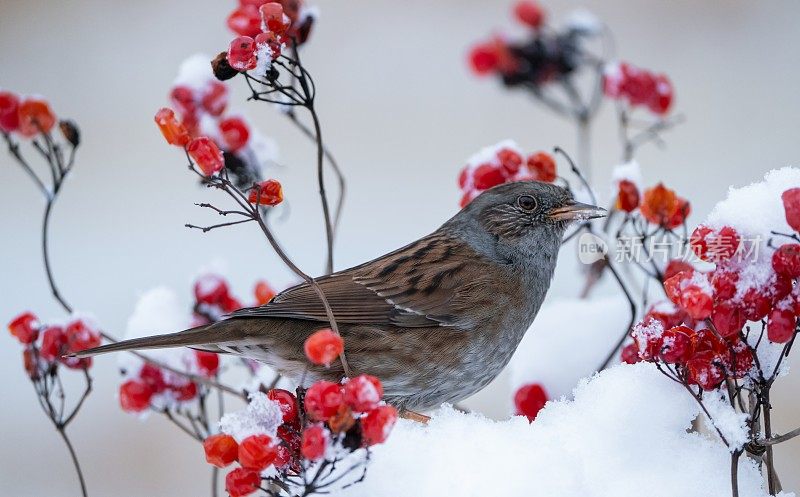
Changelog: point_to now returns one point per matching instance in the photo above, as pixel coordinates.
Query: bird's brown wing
(420, 285)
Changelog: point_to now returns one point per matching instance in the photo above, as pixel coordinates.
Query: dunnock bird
(435, 320)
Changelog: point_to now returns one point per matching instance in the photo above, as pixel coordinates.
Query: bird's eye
(527, 202)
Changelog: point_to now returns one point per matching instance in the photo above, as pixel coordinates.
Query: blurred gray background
(401, 112)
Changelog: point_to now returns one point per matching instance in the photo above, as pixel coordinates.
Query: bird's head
(525, 214)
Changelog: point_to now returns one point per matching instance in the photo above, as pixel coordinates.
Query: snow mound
(624, 434)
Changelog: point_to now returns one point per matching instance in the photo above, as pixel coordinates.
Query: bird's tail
(201, 335)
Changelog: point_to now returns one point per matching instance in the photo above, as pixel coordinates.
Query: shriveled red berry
(323, 347)
(210, 289)
(728, 318)
(630, 354)
(704, 369)
(673, 286)
(263, 292)
(741, 359)
(54, 343)
(242, 481)
(152, 376)
(245, 21)
(486, 176)
(287, 402)
(483, 58)
(207, 362)
(314, 442)
(31, 363)
(791, 207)
(25, 327)
(323, 399)
(724, 283)
(206, 155)
(268, 192)
(510, 160)
(676, 266)
(215, 98)
(257, 452)
(781, 325)
(542, 166)
(9, 116)
(529, 400)
(377, 424)
(35, 116)
(627, 196)
(242, 53)
(235, 133)
(363, 392)
(786, 260)
(676, 344)
(221, 450)
(134, 396)
(530, 13)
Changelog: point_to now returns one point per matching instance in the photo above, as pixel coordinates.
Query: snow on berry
(257, 452)
(323, 347)
(377, 424)
(323, 399)
(25, 328)
(529, 400)
(363, 392)
(242, 53)
(647, 336)
(791, 207)
(287, 402)
(314, 442)
(262, 416)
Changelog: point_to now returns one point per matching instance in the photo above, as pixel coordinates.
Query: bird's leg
(415, 416)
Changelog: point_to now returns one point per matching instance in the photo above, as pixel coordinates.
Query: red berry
(676, 344)
(363, 392)
(638, 85)
(269, 192)
(206, 154)
(676, 266)
(242, 481)
(510, 160)
(483, 58)
(723, 244)
(529, 400)
(755, 304)
(257, 452)
(235, 133)
(699, 241)
(627, 196)
(35, 116)
(486, 176)
(630, 354)
(207, 362)
(705, 370)
(221, 450)
(134, 396)
(661, 99)
(174, 132)
(263, 292)
(741, 359)
(462, 178)
(377, 424)
(724, 283)
(31, 363)
(467, 198)
(530, 13)
(791, 207)
(9, 115)
(210, 289)
(323, 400)
(152, 376)
(272, 41)
(696, 302)
(786, 260)
(79, 336)
(25, 327)
(185, 392)
(659, 204)
(679, 216)
(242, 53)
(215, 98)
(542, 166)
(287, 402)
(182, 97)
(323, 346)
(315, 442)
(54, 343)
(673, 286)
(274, 19)
(781, 325)
(245, 21)
(728, 318)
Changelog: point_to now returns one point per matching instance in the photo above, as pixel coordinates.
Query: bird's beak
(576, 211)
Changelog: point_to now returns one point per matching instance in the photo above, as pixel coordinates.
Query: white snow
(630, 171)
(624, 434)
(568, 341)
(489, 154)
(732, 424)
(195, 72)
(261, 416)
(585, 21)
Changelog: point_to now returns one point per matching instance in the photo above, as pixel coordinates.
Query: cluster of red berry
(503, 163)
(30, 116)
(638, 87)
(659, 205)
(332, 418)
(529, 400)
(703, 333)
(264, 27)
(46, 345)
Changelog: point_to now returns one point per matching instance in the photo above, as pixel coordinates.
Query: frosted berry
(263, 292)
(242, 481)
(257, 452)
(242, 53)
(314, 443)
(210, 289)
(287, 402)
(215, 98)
(676, 344)
(25, 328)
(510, 160)
(9, 116)
(791, 207)
(723, 244)
(221, 450)
(54, 343)
(630, 354)
(134, 396)
(696, 302)
(724, 284)
(486, 176)
(786, 260)
(542, 167)
(529, 400)
(323, 399)
(530, 13)
(35, 116)
(152, 376)
(755, 304)
(245, 21)
(705, 370)
(206, 155)
(268, 192)
(781, 325)
(323, 346)
(627, 196)
(363, 392)
(207, 362)
(676, 266)
(699, 241)
(728, 318)
(377, 424)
